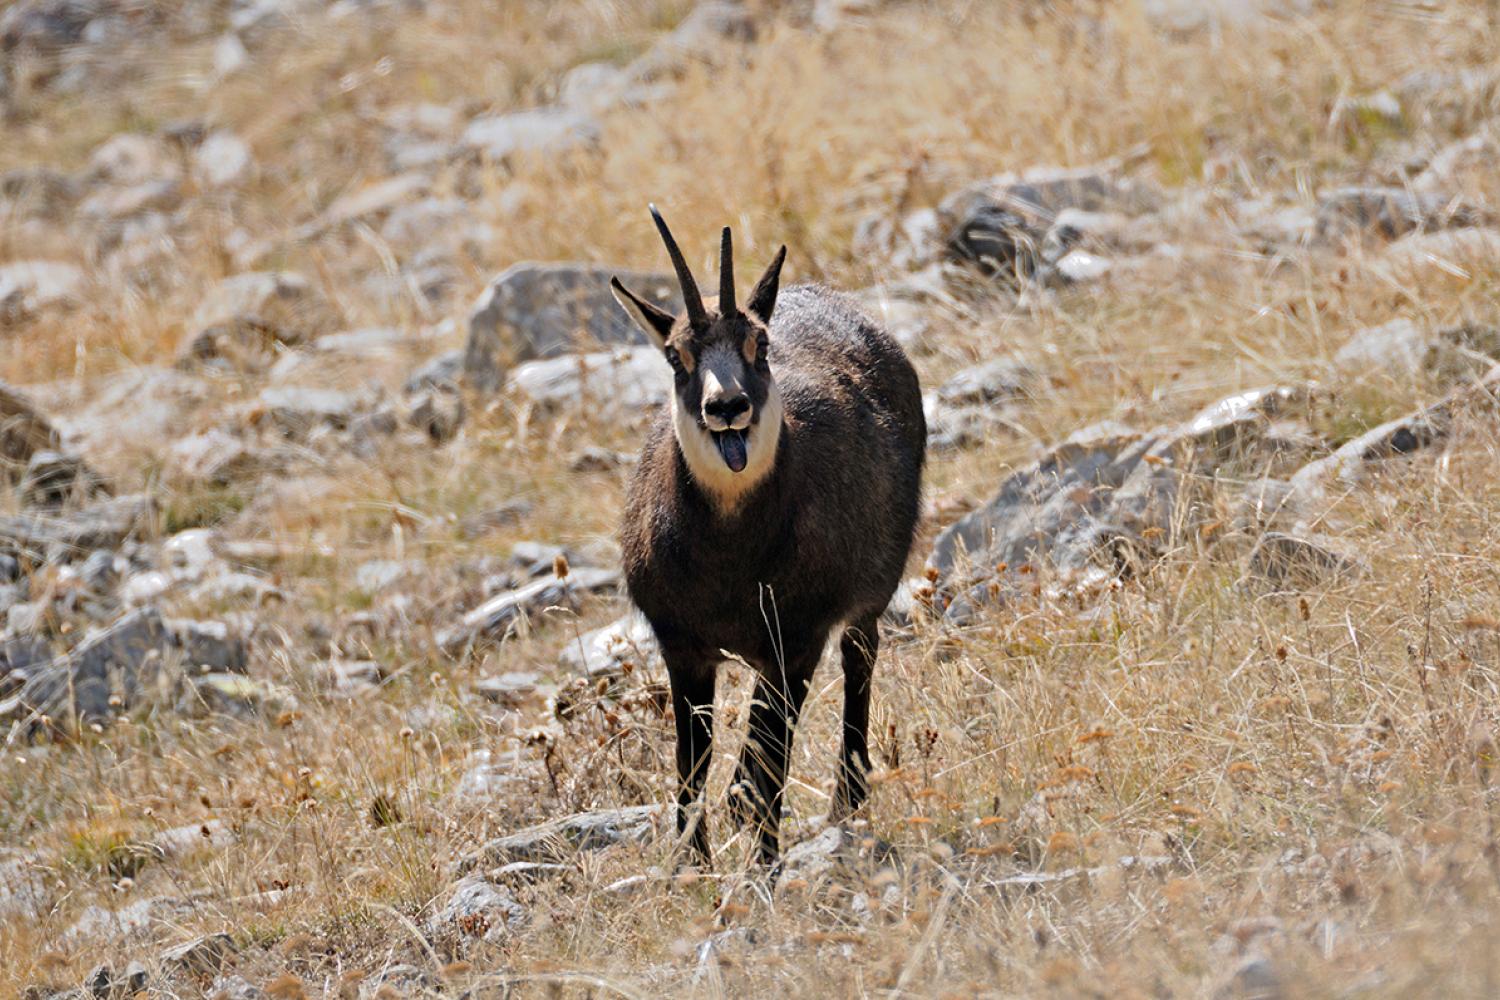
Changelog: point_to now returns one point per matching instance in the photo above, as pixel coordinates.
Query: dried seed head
(560, 566)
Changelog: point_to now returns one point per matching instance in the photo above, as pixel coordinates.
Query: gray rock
(227, 587)
(105, 984)
(976, 403)
(545, 310)
(279, 300)
(110, 669)
(219, 458)
(209, 645)
(402, 980)
(102, 525)
(131, 158)
(222, 159)
(556, 839)
(998, 381)
(1108, 496)
(1390, 212)
(1446, 250)
(495, 615)
(19, 656)
(28, 287)
(162, 194)
(1401, 349)
(479, 908)
(178, 841)
(438, 413)
(232, 987)
(1301, 561)
(238, 695)
(442, 372)
(377, 575)
(491, 776)
(535, 130)
(1000, 225)
(613, 386)
(203, 956)
(298, 410)
(620, 647)
(510, 689)
(53, 480)
(23, 433)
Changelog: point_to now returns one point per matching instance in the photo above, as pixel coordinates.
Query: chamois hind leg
(859, 646)
(693, 707)
(760, 778)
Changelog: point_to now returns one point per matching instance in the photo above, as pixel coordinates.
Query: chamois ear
(656, 322)
(763, 295)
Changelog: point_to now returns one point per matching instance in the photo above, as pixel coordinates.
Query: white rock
(222, 159)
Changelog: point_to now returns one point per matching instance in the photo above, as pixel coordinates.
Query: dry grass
(1318, 767)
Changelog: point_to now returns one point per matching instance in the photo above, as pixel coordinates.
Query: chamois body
(774, 502)
(823, 539)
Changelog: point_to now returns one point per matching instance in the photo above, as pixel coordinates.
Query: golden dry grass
(1317, 768)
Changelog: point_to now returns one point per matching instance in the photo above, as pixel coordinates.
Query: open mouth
(732, 446)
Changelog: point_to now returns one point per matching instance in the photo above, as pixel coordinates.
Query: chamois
(775, 500)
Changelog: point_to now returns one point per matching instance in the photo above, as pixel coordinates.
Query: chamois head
(726, 408)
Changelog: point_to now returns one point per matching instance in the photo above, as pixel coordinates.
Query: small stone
(607, 385)
(437, 413)
(222, 159)
(29, 287)
(203, 956)
(495, 615)
(479, 908)
(52, 480)
(551, 130)
(1300, 561)
(553, 841)
(509, 689)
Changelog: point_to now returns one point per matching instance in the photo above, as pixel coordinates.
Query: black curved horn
(726, 273)
(691, 299)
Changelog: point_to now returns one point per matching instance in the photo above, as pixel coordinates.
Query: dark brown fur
(820, 543)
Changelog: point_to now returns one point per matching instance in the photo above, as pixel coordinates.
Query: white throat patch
(725, 488)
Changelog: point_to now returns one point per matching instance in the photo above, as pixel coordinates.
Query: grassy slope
(1324, 765)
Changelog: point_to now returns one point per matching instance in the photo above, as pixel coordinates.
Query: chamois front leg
(693, 708)
(859, 646)
(760, 778)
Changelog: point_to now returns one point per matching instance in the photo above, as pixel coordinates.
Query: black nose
(727, 408)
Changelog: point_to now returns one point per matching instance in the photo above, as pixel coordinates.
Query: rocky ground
(316, 676)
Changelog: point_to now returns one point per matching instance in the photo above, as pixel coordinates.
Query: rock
(369, 200)
(1459, 164)
(509, 689)
(1389, 212)
(438, 413)
(442, 372)
(101, 525)
(508, 513)
(479, 908)
(229, 587)
(1299, 561)
(622, 646)
(110, 669)
(159, 195)
(554, 840)
(613, 386)
(209, 645)
(136, 410)
(239, 695)
(298, 410)
(218, 458)
(282, 301)
(545, 310)
(492, 776)
(535, 130)
(347, 677)
(377, 575)
(229, 55)
(1107, 495)
(1000, 225)
(976, 403)
(1195, 15)
(1453, 251)
(222, 159)
(232, 987)
(182, 840)
(23, 433)
(399, 981)
(1256, 978)
(595, 459)
(1402, 350)
(495, 615)
(203, 956)
(52, 480)
(19, 656)
(129, 158)
(105, 984)
(28, 287)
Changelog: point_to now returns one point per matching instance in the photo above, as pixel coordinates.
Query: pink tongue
(732, 447)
